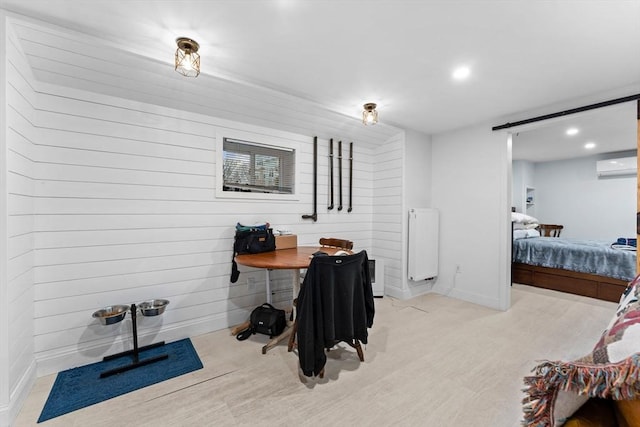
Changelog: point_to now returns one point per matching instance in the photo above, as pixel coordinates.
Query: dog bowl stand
(137, 362)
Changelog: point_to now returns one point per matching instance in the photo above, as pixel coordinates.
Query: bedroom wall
(568, 192)
(522, 177)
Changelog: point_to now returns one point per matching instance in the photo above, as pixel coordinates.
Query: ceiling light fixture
(590, 145)
(187, 58)
(572, 131)
(370, 114)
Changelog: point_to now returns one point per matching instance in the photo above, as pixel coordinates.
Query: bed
(590, 268)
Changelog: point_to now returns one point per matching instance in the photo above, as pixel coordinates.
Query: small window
(250, 167)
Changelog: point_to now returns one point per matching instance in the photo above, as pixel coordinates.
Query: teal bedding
(584, 256)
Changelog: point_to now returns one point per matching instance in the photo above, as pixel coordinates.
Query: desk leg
(296, 283)
(268, 285)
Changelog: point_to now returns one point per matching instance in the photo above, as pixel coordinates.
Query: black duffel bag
(265, 319)
(254, 241)
(251, 241)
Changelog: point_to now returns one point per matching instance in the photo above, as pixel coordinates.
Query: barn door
(638, 211)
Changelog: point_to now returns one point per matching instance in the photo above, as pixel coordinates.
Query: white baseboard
(474, 298)
(443, 289)
(9, 412)
(398, 293)
(415, 289)
(60, 360)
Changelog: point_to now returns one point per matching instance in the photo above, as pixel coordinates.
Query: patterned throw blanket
(611, 371)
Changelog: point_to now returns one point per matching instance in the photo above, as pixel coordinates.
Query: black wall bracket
(314, 215)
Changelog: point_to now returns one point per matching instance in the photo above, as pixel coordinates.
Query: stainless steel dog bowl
(112, 314)
(153, 307)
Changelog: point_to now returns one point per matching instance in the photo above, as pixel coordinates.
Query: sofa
(601, 388)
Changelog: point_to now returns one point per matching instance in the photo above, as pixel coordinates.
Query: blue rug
(81, 387)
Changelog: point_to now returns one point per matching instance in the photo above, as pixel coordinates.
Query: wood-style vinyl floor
(430, 361)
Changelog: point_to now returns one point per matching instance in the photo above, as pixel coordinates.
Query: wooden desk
(281, 259)
(294, 258)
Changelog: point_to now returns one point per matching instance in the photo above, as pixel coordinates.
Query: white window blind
(257, 168)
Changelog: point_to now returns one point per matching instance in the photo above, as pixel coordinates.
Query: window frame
(265, 140)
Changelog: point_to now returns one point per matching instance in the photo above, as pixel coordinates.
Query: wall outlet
(251, 283)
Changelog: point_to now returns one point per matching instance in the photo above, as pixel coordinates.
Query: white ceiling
(400, 54)
(612, 129)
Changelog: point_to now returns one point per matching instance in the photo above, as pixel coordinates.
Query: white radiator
(423, 244)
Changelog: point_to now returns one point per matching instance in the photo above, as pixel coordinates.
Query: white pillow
(523, 218)
(519, 234)
(525, 233)
(533, 233)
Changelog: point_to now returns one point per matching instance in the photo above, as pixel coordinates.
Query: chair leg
(292, 337)
(358, 348)
(356, 344)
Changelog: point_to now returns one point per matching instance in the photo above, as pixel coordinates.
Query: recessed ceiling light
(590, 145)
(461, 73)
(572, 131)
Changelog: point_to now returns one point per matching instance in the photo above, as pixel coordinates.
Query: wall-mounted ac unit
(625, 166)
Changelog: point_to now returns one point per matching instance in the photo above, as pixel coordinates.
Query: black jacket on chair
(335, 304)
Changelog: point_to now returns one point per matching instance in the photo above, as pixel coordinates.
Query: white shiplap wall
(388, 211)
(126, 211)
(19, 254)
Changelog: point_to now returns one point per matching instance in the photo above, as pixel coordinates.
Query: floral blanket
(612, 370)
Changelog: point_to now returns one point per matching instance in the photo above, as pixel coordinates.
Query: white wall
(126, 211)
(522, 177)
(5, 401)
(386, 224)
(402, 180)
(471, 190)
(417, 170)
(416, 190)
(18, 170)
(568, 192)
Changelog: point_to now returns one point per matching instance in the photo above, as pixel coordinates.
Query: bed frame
(590, 285)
